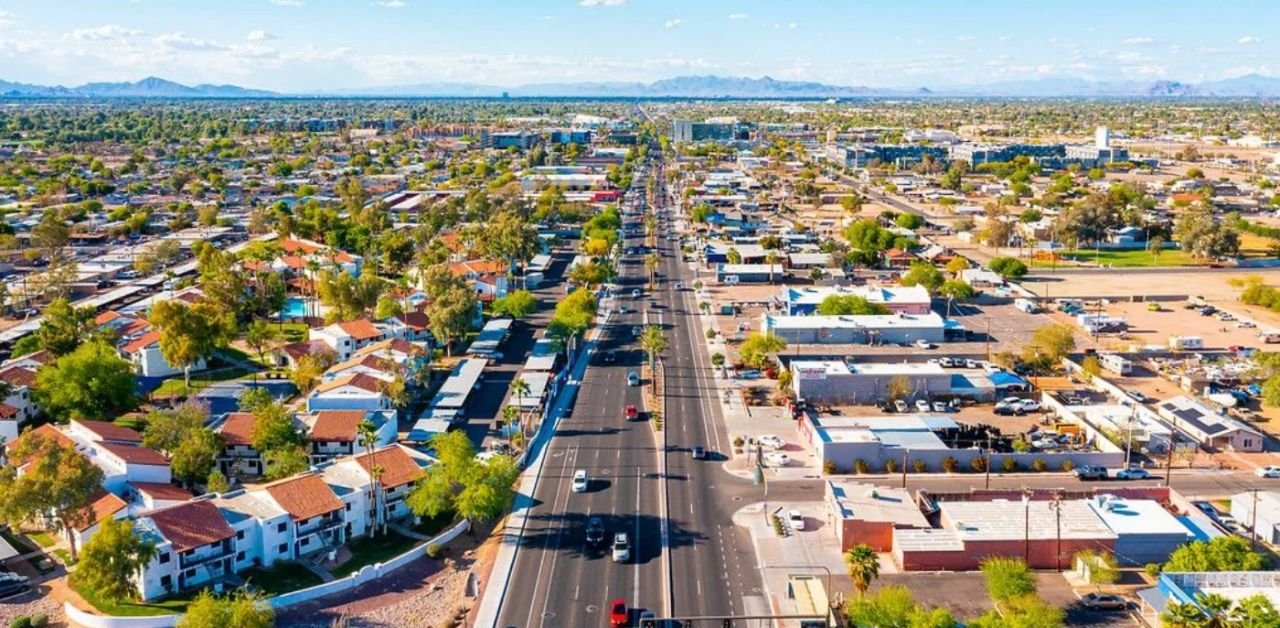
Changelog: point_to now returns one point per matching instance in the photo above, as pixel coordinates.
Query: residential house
(317, 517)
(411, 326)
(299, 253)
(195, 546)
(1210, 428)
(19, 407)
(153, 495)
(399, 467)
(239, 458)
(144, 353)
(488, 277)
(105, 506)
(358, 391)
(334, 433)
(122, 463)
(345, 338)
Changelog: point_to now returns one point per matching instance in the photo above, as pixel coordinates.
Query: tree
(573, 315)
(348, 297)
(1202, 236)
(923, 273)
(1224, 553)
(516, 304)
(261, 336)
(450, 314)
(286, 461)
(1007, 578)
(92, 382)
(195, 457)
(1008, 267)
(273, 429)
(190, 333)
(1049, 344)
(957, 264)
(893, 606)
(909, 221)
(63, 327)
(457, 482)
(1091, 367)
(368, 433)
(51, 235)
(239, 610)
(651, 263)
(757, 348)
(56, 480)
(957, 289)
(217, 482)
(653, 341)
(111, 560)
(863, 565)
(899, 387)
(1255, 611)
(309, 368)
(849, 305)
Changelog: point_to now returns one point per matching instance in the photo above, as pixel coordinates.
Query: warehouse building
(865, 329)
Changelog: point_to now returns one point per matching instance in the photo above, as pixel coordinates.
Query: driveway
(224, 397)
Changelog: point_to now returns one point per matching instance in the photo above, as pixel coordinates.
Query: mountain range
(1251, 85)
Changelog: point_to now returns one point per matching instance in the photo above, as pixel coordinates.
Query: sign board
(811, 372)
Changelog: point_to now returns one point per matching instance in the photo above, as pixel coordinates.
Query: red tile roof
(104, 506)
(191, 525)
(299, 350)
(305, 496)
(110, 431)
(134, 454)
(362, 329)
(417, 321)
(19, 376)
(363, 381)
(48, 431)
(143, 341)
(162, 491)
(237, 429)
(337, 426)
(398, 467)
(7, 411)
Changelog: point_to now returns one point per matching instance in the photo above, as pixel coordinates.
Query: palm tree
(510, 414)
(520, 388)
(771, 258)
(368, 433)
(651, 262)
(653, 341)
(1184, 616)
(864, 567)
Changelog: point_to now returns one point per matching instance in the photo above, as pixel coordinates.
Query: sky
(319, 45)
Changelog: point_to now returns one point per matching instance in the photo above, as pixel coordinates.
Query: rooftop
(867, 502)
(1001, 519)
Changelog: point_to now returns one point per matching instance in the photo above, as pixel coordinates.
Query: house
(370, 364)
(239, 458)
(299, 254)
(399, 468)
(981, 278)
(488, 277)
(144, 353)
(899, 258)
(102, 431)
(317, 517)
(411, 326)
(194, 546)
(153, 496)
(1128, 236)
(122, 463)
(358, 391)
(345, 338)
(105, 506)
(868, 514)
(334, 433)
(408, 357)
(1208, 427)
(19, 407)
(290, 354)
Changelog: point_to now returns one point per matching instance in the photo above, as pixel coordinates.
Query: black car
(610, 357)
(595, 531)
(699, 453)
(12, 584)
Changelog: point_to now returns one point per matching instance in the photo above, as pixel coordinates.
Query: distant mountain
(678, 87)
(150, 87)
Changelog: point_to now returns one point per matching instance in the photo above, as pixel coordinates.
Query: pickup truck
(1090, 472)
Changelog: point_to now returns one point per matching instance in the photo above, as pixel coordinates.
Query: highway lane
(558, 581)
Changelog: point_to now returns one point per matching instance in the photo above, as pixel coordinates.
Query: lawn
(177, 387)
(1123, 258)
(280, 578)
(293, 332)
(367, 551)
(43, 538)
(64, 556)
(173, 606)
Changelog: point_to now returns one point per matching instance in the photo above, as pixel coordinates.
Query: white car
(971, 364)
(946, 362)
(621, 548)
(795, 520)
(1030, 405)
(940, 406)
(769, 440)
(580, 481)
(924, 344)
(777, 459)
(1268, 472)
(1132, 473)
(922, 405)
(900, 405)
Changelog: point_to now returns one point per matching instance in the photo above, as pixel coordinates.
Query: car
(595, 531)
(13, 584)
(922, 405)
(635, 293)
(971, 364)
(795, 520)
(1246, 325)
(647, 619)
(1208, 311)
(924, 344)
(777, 459)
(580, 481)
(630, 413)
(941, 406)
(621, 548)
(769, 440)
(679, 285)
(1137, 396)
(618, 615)
(1132, 473)
(609, 357)
(633, 379)
(622, 308)
(900, 405)
(1030, 405)
(946, 362)
(1103, 602)
(1004, 409)
(1090, 472)
(1268, 472)
(1225, 316)
(698, 452)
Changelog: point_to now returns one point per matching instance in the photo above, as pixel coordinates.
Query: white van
(1269, 336)
(1026, 305)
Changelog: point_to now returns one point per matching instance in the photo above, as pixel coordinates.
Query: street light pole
(1026, 520)
(906, 453)
(988, 465)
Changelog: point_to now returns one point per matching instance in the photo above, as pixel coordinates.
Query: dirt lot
(1155, 328)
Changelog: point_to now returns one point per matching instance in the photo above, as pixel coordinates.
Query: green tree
(893, 606)
(957, 264)
(849, 305)
(516, 304)
(190, 333)
(449, 315)
(1008, 267)
(653, 341)
(1091, 367)
(1255, 611)
(56, 481)
(111, 560)
(957, 289)
(217, 482)
(195, 457)
(1049, 344)
(238, 610)
(758, 347)
(284, 462)
(64, 327)
(261, 336)
(347, 297)
(368, 433)
(273, 428)
(909, 221)
(573, 315)
(1224, 553)
(863, 566)
(899, 387)
(923, 273)
(1007, 578)
(92, 382)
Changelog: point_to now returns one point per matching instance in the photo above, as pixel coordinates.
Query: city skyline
(320, 45)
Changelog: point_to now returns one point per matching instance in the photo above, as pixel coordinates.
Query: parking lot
(1148, 328)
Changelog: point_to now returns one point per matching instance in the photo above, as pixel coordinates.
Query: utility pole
(988, 465)
(1168, 465)
(987, 338)
(1253, 516)
(907, 452)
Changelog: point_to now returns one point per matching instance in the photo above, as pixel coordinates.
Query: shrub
(738, 442)
(978, 464)
(1152, 569)
(1039, 465)
(1009, 464)
(1007, 578)
(435, 551)
(891, 466)
(1068, 465)
(39, 621)
(777, 525)
(829, 467)
(711, 334)
(919, 466)
(861, 466)
(21, 621)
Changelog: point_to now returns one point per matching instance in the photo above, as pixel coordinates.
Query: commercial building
(869, 514)
(1191, 587)
(1208, 427)
(898, 299)
(864, 329)
(690, 131)
(831, 381)
(1259, 511)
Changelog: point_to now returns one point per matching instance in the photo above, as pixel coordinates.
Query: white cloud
(601, 3)
(739, 16)
(1139, 41)
(99, 33)
(181, 41)
(259, 35)
(792, 25)
(966, 38)
(392, 4)
(6, 19)
(674, 23)
(286, 3)
(1249, 39)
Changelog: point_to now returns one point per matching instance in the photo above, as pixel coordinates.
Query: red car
(631, 412)
(618, 613)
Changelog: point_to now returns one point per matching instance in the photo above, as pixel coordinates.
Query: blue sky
(307, 45)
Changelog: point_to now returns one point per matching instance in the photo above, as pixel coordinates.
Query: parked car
(946, 362)
(924, 344)
(580, 481)
(1132, 473)
(1268, 472)
(1138, 396)
(1030, 405)
(971, 364)
(922, 405)
(1004, 409)
(1246, 325)
(777, 459)
(795, 520)
(900, 405)
(631, 413)
(1090, 472)
(635, 293)
(940, 406)
(595, 532)
(1103, 602)
(618, 615)
(769, 440)
(609, 357)
(621, 548)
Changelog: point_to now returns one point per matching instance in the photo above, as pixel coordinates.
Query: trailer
(1186, 343)
(1026, 305)
(1116, 363)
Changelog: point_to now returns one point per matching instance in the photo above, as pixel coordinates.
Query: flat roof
(868, 502)
(1137, 516)
(931, 320)
(537, 388)
(999, 520)
(453, 393)
(927, 540)
(1233, 585)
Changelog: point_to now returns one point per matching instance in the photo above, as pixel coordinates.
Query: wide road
(557, 580)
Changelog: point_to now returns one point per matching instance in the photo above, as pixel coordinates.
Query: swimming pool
(294, 307)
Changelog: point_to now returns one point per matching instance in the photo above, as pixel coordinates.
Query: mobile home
(1186, 343)
(1115, 363)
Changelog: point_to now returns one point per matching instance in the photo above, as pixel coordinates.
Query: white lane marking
(635, 548)
(571, 452)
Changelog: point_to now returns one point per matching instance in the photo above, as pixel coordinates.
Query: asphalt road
(558, 580)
